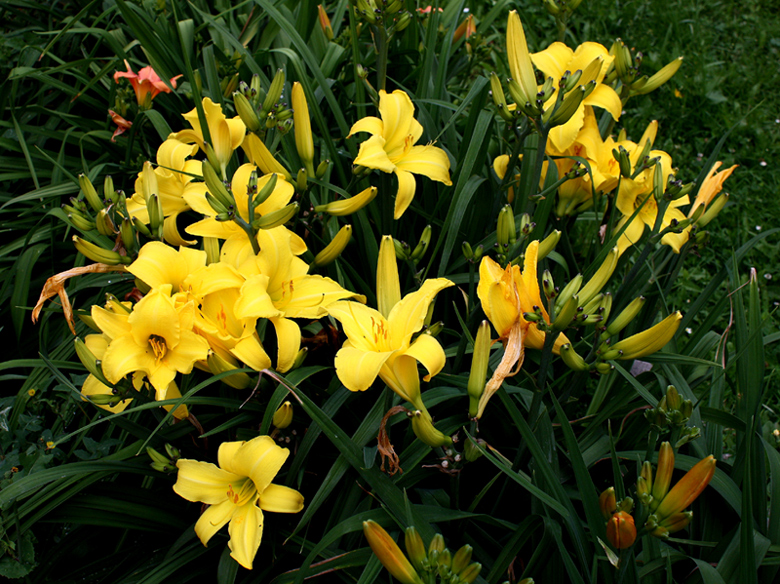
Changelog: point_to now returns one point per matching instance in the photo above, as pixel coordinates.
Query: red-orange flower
(121, 124)
(146, 81)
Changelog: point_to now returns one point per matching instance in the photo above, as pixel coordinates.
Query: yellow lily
(215, 289)
(170, 180)
(593, 60)
(632, 195)
(158, 264)
(590, 58)
(391, 147)
(156, 338)
(237, 492)
(576, 195)
(278, 288)
(379, 342)
(226, 134)
(505, 295)
(210, 227)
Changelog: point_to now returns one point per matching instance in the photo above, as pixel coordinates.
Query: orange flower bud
(663, 476)
(388, 552)
(621, 531)
(608, 503)
(687, 489)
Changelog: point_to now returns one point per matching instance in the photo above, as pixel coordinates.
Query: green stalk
(380, 42)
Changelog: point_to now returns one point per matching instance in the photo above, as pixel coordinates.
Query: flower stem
(380, 42)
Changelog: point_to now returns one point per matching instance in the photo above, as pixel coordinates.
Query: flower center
(159, 348)
(242, 492)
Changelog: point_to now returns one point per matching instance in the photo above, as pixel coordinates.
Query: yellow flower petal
(213, 519)
(124, 356)
(288, 336)
(246, 532)
(254, 301)
(357, 369)
(388, 285)
(563, 136)
(408, 316)
(260, 459)
(366, 328)
(370, 124)
(113, 325)
(427, 351)
(155, 315)
(397, 112)
(250, 351)
(406, 188)
(554, 60)
(203, 481)
(94, 387)
(428, 161)
(158, 264)
(400, 375)
(280, 499)
(372, 155)
(311, 294)
(606, 98)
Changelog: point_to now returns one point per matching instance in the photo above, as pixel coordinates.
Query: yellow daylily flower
(237, 492)
(279, 288)
(593, 60)
(158, 264)
(505, 295)
(226, 134)
(156, 338)
(215, 289)
(379, 342)
(576, 195)
(210, 227)
(391, 147)
(632, 194)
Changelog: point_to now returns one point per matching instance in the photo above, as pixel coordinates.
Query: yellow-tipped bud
(104, 224)
(499, 99)
(422, 244)
(89, 361)
(283, 416)
(506, 231)
(566, 313)
(423, 428)
(389, 554)
(259, 155)
(649, 341)
(479, 366)
(712, 210)
(415, 547)
(461, 559)
(304, 140)
(601, 277)
(573, 359)
(218, 364)
(348, 206)
(569, 290)
(216, 187)
(657, 80)
(548, 244)
(276, 218)
(90, 194)
(81, 222)
(99, 254)
(246, 112)
(334, 248)
(274, 91)
(621, 531)
(624, 318)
